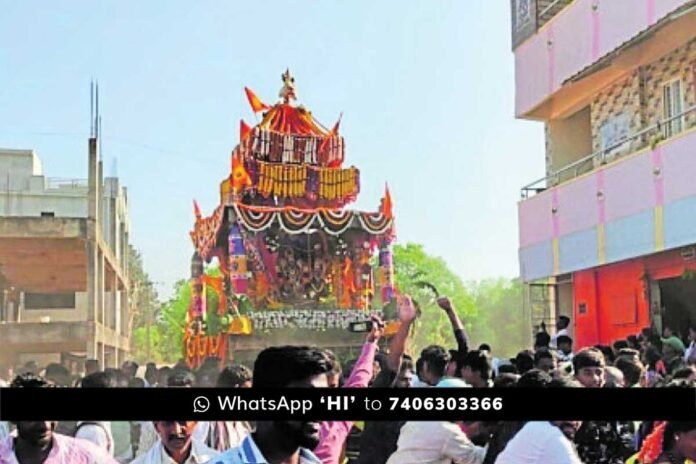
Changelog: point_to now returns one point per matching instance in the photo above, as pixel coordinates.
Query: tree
(143, 308)
(413, 266)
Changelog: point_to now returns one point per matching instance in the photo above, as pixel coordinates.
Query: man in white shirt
(542, 443)
(562, 324)
(436, 443)
(98, 433)
(176, 445)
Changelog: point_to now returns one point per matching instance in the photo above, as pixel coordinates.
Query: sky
(426, 88)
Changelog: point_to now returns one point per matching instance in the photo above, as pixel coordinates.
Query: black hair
(29, 380)
(588, 357)
(542, 339)
(608, 353)
(684, 372)
(234, 376)
(652, 356)
(335, 363)
(565, 321)
(564, 339)
(534, 378)
(436, 358)
(279, 366)
(484, 347)
(674, 427)
(120, 378)
(619, 345)
(507, 369)
(479, 361)
(524, 361)
(506, 380)
(99, 380)
(632, 369)
(543, 353)
(181, 378)
(632, 341)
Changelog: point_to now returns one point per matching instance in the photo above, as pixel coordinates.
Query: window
(47, 214)
(672, 105)
(49, 301)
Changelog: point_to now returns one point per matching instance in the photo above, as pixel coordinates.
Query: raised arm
(407, 314)
(457, 325)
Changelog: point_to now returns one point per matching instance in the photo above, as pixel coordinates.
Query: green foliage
(413, 266)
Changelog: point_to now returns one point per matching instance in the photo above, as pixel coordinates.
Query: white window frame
(676, 125)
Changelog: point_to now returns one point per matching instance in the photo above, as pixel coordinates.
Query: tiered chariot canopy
(281, 232)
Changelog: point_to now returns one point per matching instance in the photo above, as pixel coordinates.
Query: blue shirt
(249, 453)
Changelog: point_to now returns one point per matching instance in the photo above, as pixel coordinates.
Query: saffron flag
(196, 209)
(244, 130)
(332, 133)
(387, 205)
(256, 104)
(240, 176)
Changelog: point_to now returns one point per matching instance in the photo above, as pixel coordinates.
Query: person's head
(608, 352)
(680, 438)
(619, 345)
(627, 353)
(291, 366)
(672, 347)
(136, 382)
(58, 375)
(692, 332)
(435, 359)
(569, 428)
(99, 380)
(562, 322)
(485, 347)
(120, 378)
(454, 365)
(688, 373)
(614, 377)
(181, 378)
(477, 368)
(541, 340)
(534, 378)
(651, 357)
(235, 376)
(130, 368)
(478, 432)
(151, 373)
(524, 361)
(564, 344)
(405, 375)
(176, 437)
(163, 375)
(506, 380)
(667, 331)
(564, 381)
(206, 377)
(588, 365)
(632, 342)
(545, 360)
(632, 369)
(36, 434)
(507, 368)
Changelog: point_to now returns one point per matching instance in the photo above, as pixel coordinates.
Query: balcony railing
(529, 15)
(62, 183)
(650, 136)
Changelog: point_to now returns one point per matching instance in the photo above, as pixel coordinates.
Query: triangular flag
(196, 209)
(387, 204)
(332, 133)
(256, 105)
(244, 130)
(240, 176)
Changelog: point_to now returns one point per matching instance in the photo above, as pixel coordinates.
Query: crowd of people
(646, 360)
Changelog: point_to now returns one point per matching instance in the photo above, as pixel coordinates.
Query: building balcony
(605, 208)
(559, 44)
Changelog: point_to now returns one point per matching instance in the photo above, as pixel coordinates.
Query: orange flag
(256, 104)
(387, 205)
(240, 176)
(244, 130)
(196, 209)
(332, 133)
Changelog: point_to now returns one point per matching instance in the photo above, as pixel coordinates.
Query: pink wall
(579, 35)
(629, 187)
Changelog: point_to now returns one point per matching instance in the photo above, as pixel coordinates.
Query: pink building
(608, 235)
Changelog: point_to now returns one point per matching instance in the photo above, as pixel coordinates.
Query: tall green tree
(414, 267)
(144, 305)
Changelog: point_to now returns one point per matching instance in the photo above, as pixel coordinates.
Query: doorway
(678, 303)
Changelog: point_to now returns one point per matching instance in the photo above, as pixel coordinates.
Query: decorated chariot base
(290, 257)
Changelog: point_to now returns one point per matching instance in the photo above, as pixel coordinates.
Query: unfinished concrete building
(63, 264)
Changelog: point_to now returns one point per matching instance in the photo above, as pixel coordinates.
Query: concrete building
(63, 264)
(608, 235)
